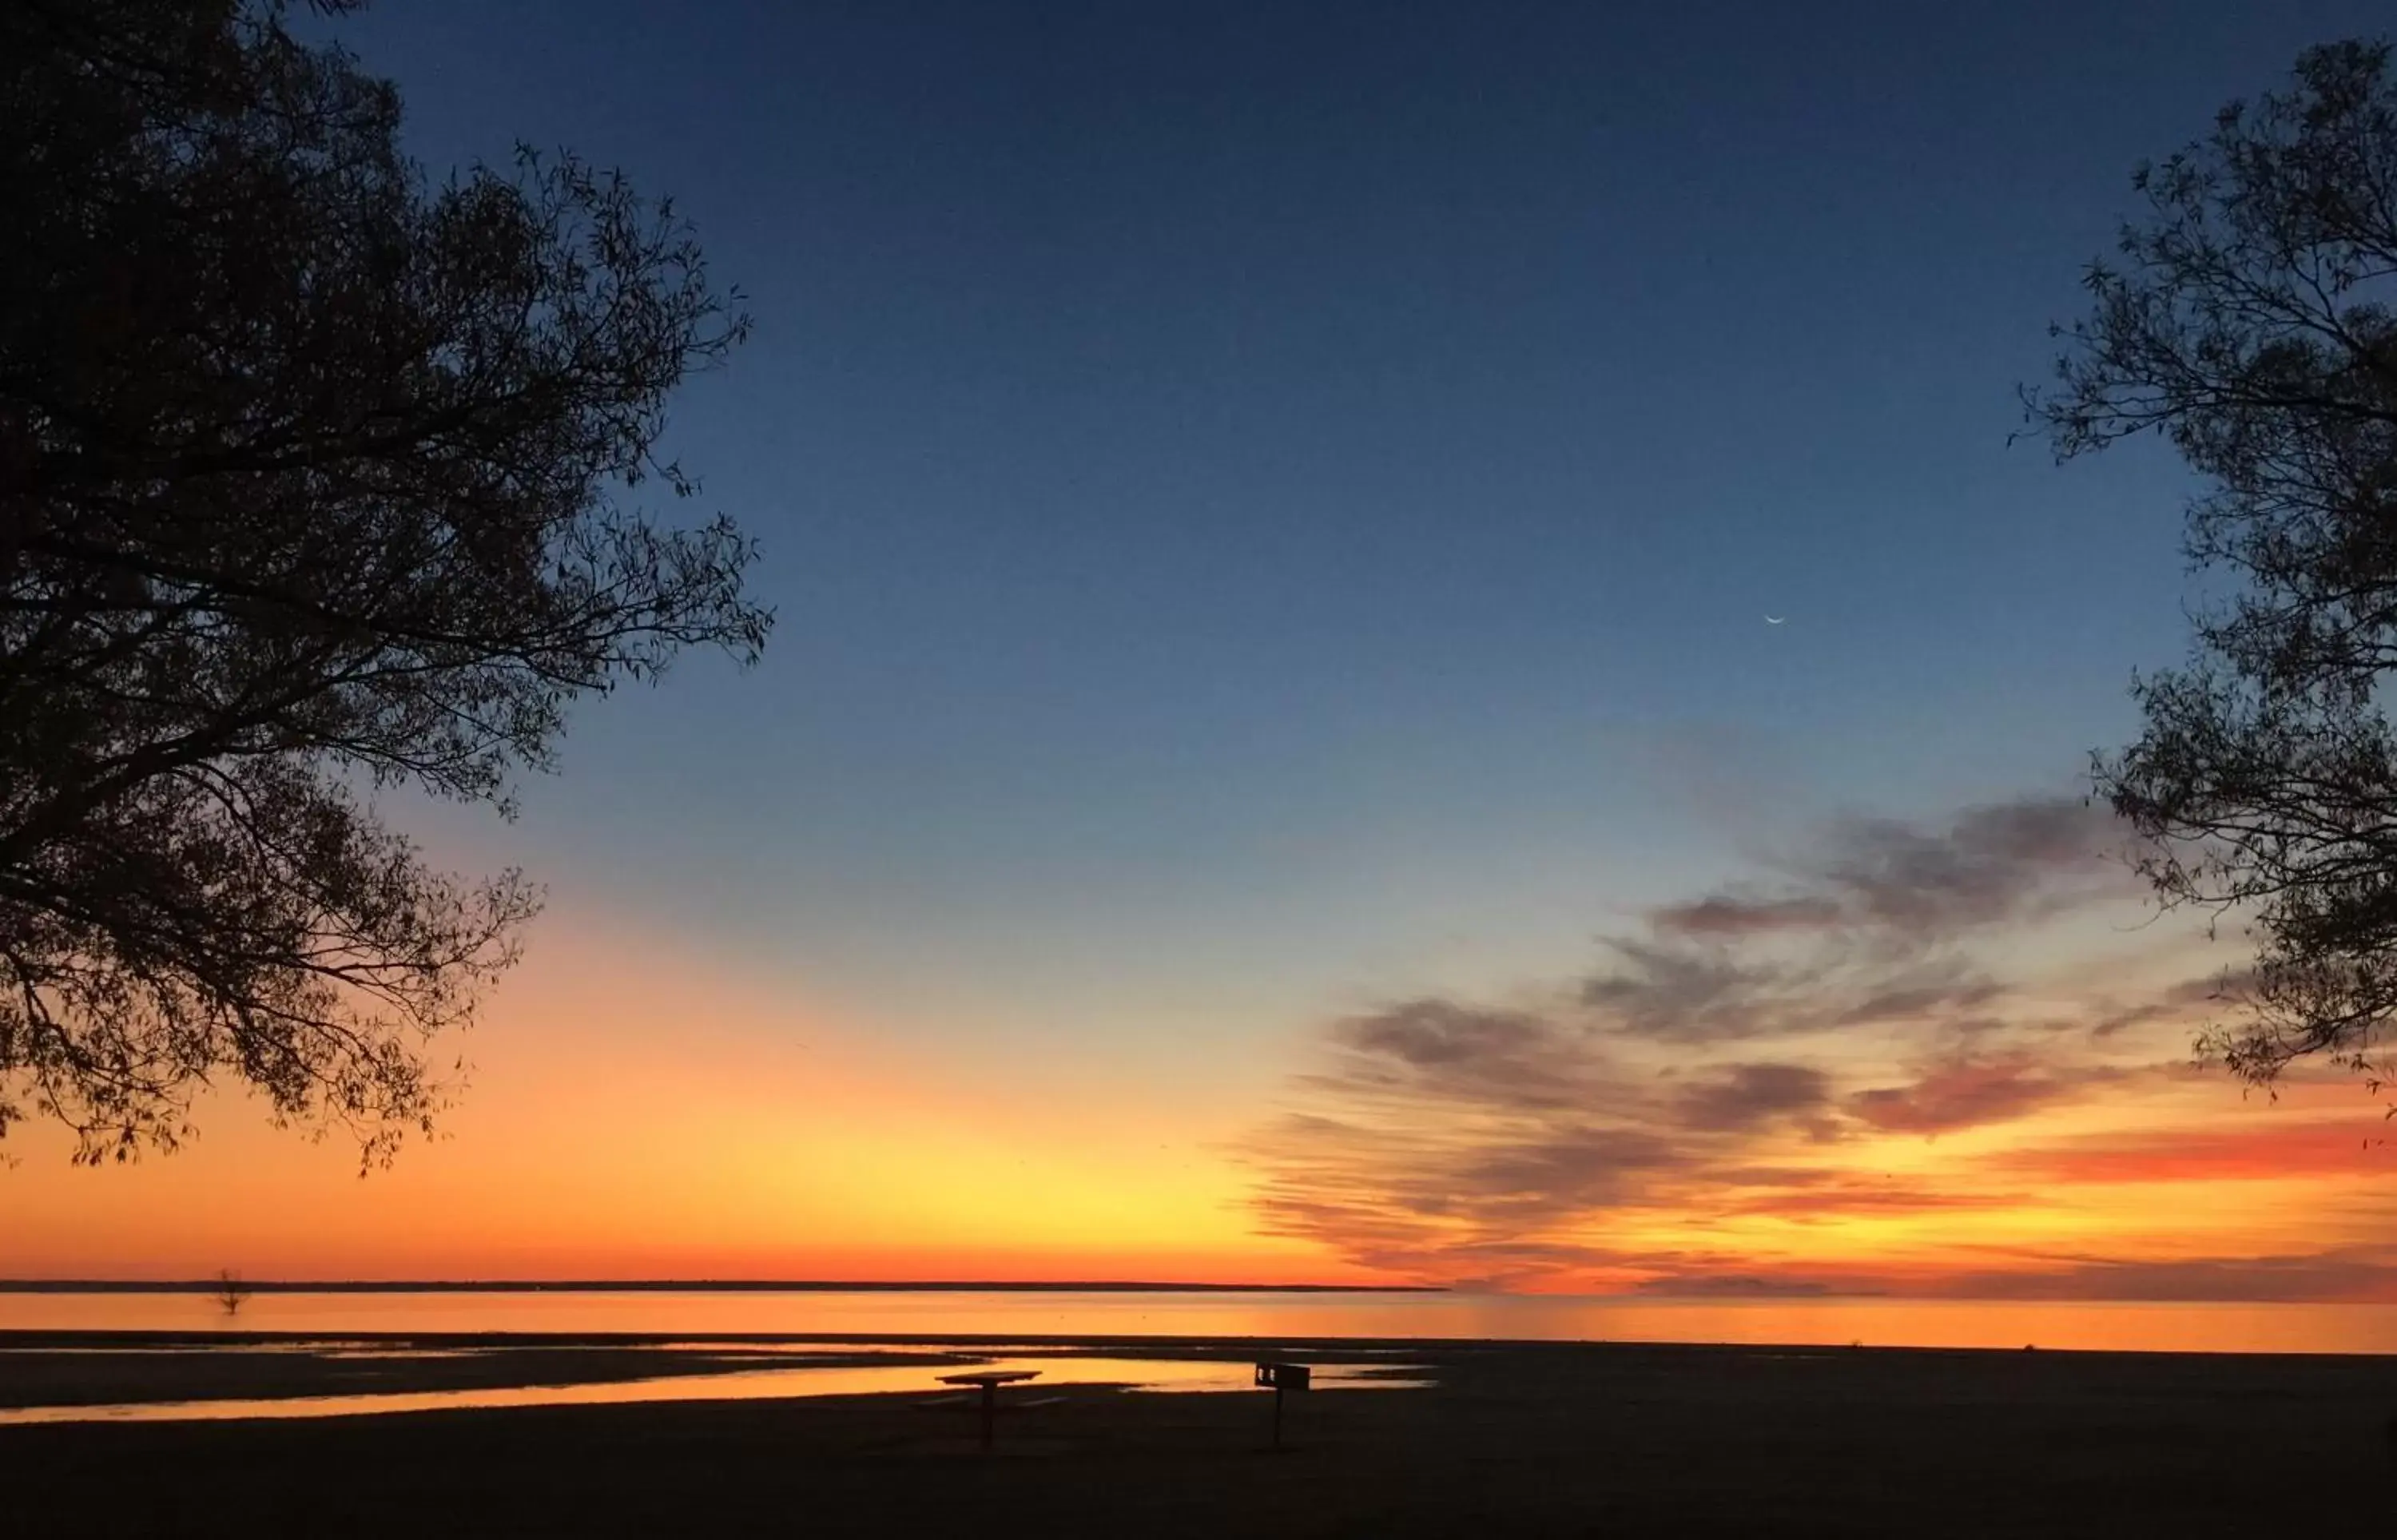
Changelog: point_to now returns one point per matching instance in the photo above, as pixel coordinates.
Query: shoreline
(48, 1369)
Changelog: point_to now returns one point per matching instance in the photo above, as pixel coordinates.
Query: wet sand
(1551, 1440)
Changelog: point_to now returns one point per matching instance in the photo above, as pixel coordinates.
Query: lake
(2127, 1326)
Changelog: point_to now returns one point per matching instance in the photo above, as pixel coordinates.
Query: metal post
(1276, 1417)
(989, 1410)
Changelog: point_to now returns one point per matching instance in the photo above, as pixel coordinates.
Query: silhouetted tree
(313, 483)
(231, 1294)
(2249, 321)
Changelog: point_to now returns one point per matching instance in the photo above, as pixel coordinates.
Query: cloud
(2355, 1273)
(1433, 1033)
(1688, 994)
(1698, 994)
(1863, 1195)
(1999, 862)
(1732, 1286)
(1565, 1171)
(1864, 926)
(1457, 1140)
(1462, 1143)
(2187, 1002)
(1732, 915)
(1742, 1096)
(1431, 1204)
(2284, 1149)
(1435, 1049)
(1963, 1094)
(1935, 992)
(2360, 1273)
(2137, 1015)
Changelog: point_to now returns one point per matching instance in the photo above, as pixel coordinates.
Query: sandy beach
(1549, 1440)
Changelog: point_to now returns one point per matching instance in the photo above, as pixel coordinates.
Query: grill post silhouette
(1283, 1377)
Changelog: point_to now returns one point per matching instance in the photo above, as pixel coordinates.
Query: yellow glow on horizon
(616, 1126)
(636, 1114)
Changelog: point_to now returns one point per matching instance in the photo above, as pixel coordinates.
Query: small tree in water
(230, 1292)
(2251, 321)
(315, 479)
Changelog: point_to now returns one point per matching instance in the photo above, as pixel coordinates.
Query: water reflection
(1151, 1375)
(1002, 1316)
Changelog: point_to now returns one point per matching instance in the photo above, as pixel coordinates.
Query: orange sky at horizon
(639, 1113)
(631, 1117)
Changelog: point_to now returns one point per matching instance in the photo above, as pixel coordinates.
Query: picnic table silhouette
(990, 1380)
(1279, 1376)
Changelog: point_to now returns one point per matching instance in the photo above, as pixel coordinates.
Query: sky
(1272, 766)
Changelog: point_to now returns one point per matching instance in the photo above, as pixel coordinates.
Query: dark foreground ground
(1550, 1440)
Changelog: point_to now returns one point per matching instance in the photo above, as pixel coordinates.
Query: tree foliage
(317, 479)
(2251, 321)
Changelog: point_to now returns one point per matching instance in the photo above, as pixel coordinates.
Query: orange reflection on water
(1180, 1375)
(1095, 1315)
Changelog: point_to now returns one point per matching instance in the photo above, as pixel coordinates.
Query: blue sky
(1272, 506)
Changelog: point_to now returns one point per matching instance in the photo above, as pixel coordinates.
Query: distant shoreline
(673, 1285)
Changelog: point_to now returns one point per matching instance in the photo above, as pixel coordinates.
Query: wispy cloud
(1734, 1098)
(2331, 1274)
(1964, 1093)
(2280, 1149)
(1436, 1050)
(2215, 994)
(2356, 1273)
(1990, 865)
(1721, 915)
(1864, 925)
(1732, 1286)
(1437, 1136)
(1443, 1138)
(1776, 1058)
(1993, 864)
(1849, 1196)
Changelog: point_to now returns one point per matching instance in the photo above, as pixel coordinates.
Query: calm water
(2155, 1327)
(1180, 1375)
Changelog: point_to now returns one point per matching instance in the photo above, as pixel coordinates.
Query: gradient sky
(1271, 510)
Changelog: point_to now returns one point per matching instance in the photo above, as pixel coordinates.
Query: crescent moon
(1774, 619)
